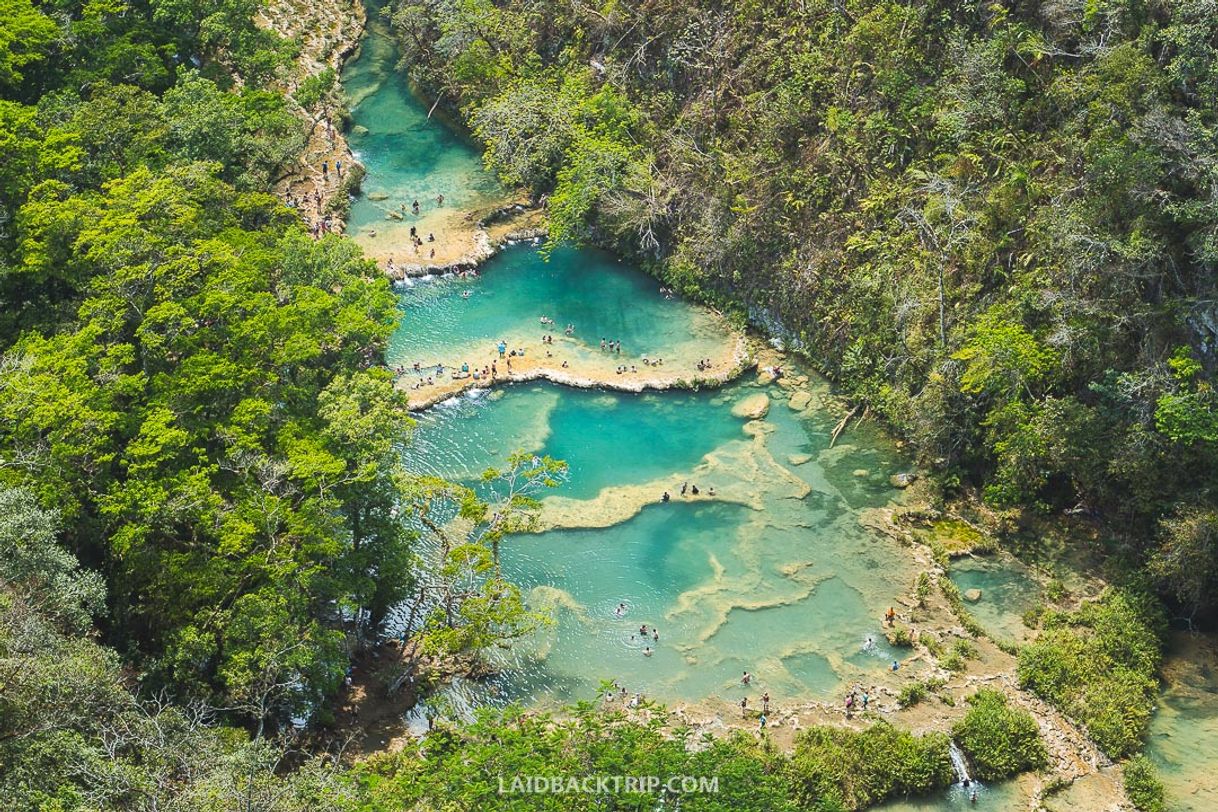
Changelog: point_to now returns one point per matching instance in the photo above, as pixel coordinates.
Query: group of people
(294, 202)
(611, 346)
(504, 352)
(704, 364)
(763, 718)
(857, 696)
(546, 321)
(687, 489)
(320, 226)
(619, 691)
(325, 169)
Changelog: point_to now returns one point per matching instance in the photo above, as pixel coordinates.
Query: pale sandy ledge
(583, 371)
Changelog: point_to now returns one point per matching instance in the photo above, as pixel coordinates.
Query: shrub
(966, 649)
(922, 588)
(911, 694)
(1142, 785)
(999, 739)
(932, 644)
(1098, 664)
(832, 768)
(952, 593)
(900, 636)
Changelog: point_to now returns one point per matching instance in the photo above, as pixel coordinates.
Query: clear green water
(592, 290)
(1008, 590)
(407, 156)
(1183, 741)
(786, 585)
(777, 577)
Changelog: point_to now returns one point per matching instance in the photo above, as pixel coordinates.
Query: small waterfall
(959, 764)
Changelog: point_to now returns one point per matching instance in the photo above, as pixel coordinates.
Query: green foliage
(1002, 359)
(25, 37)
(1142, 785)
(1098, 666)
(466, 604)
(1186, 562)
(462, 767)
(833, 768)
(1000, 740)
(911, 694)
(952, 593)
(215, 388)
(315, 88)
(73, 737)
(46, 577)
(900, 636)
(922, 588)
(997, 230)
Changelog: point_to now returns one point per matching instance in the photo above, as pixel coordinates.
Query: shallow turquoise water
(407, 156)
(787, 585)
(777, 577)
(453, 318)
(1183, 740)
(1008, 590)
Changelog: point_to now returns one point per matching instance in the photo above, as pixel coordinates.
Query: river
(777, 575)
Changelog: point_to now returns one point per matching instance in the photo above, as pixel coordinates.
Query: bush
(932, 644)
(1098, 665)
(922, 588)
(911, 694)
(900, 636)
(1000, 740)
(966, 649)
(832, 768)
(1142, 785)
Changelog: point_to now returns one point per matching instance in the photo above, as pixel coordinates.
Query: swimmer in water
(647, 651)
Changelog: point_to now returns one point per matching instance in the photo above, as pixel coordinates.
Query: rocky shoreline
(507, 225)
(329, 34)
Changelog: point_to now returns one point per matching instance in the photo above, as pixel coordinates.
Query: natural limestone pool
(778, 574)
(775, 575)
(407, 157)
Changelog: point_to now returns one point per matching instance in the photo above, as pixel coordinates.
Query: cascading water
(959, 764)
